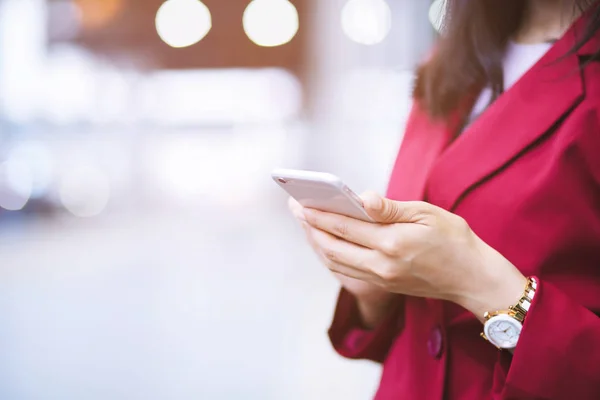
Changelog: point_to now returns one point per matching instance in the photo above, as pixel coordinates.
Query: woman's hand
(416, 249)
(373, 301)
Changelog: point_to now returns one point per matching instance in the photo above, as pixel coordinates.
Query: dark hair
(470, 50)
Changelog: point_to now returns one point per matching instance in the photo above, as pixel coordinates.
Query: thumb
(386, 211)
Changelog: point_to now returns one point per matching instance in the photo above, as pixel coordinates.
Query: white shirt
(519, 58)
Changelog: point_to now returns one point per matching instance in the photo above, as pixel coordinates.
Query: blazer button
(435, 343)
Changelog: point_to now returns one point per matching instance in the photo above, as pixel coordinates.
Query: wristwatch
(502, 328)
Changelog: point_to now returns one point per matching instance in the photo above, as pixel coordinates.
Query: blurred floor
(169, 305)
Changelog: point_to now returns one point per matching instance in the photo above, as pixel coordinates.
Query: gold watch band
(519, 310)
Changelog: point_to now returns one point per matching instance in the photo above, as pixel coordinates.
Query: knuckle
(390, 246)
(330, 254)
(460, 222)
(341, 229)
(398, 213)
(332, 266)
(422, 205)
(387, 272)
(422, 209)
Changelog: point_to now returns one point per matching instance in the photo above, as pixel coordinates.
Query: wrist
(500, 286)
(502, 328)
(501, 296)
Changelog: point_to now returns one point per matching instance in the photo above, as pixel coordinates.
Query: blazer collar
(516, 121)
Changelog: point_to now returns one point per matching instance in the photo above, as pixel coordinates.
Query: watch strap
(519, 310)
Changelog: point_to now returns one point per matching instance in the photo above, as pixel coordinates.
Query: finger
(351, 230)
(339, 254)
(386, 211)
(335, 267)
(296, 208)
(350, 272)
(307, 231)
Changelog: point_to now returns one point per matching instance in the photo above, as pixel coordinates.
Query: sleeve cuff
(558, 351)
(351, 340)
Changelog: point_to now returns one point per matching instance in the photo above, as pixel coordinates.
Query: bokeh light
(436, 14)
(84, 191)
(15, 184)
(271, 23)
(38, 161)
(183, 23)
(367, 22)
(68, 78)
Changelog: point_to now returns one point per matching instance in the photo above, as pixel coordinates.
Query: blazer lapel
(514, 122)
(424, 140)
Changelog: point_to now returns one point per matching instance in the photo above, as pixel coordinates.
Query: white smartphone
(321, 191)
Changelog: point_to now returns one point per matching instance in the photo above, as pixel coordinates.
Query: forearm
(498, 286)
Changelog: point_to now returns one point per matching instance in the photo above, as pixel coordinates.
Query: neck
(546, 20)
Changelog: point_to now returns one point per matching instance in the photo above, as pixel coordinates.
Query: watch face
(503, 331)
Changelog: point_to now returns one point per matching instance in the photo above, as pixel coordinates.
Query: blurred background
(145, 252)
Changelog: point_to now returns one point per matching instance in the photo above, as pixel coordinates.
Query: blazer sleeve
(351, 340)
(558, 355)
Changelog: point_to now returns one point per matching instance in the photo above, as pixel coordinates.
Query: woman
(492, 218)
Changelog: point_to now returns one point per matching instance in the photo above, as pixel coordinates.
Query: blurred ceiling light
(366, 22)
(96, 14)
(436, 14)
(15, 184)
(271, 23)
(85, 191)
(67, 79)
(182, 23)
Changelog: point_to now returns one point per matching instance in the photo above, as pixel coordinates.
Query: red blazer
(526, 176)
